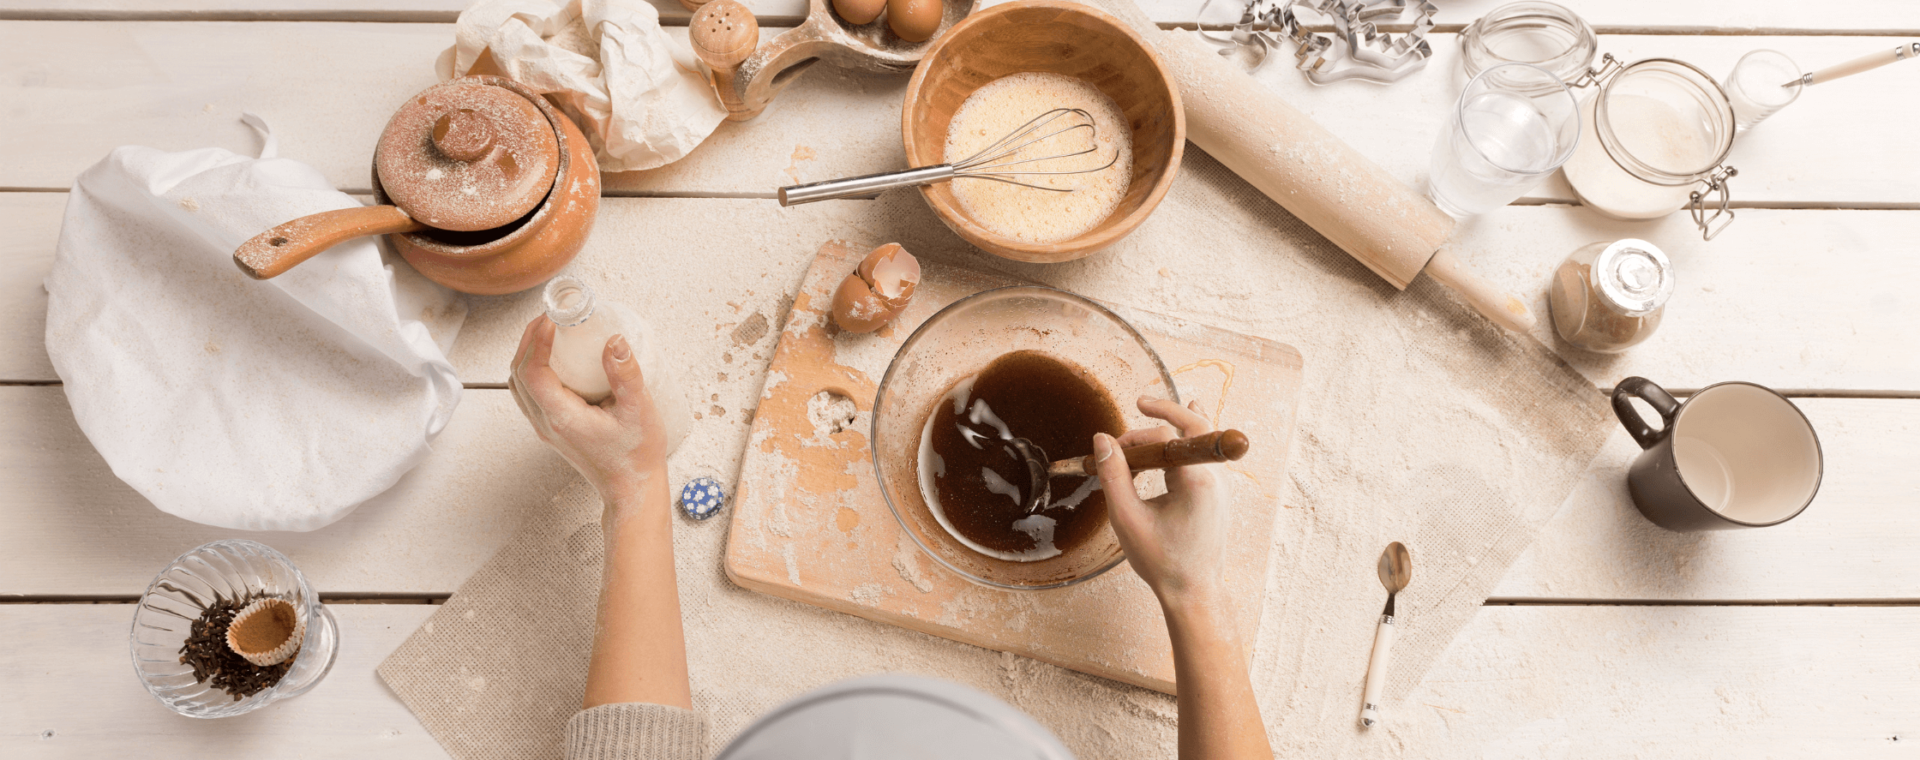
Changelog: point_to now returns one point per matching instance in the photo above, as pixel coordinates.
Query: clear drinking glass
(1762, 83)
(232, 569)
(1514, 125)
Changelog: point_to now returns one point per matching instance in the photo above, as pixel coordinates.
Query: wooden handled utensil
(271, 253)
(1221, 446)
(1866, 62)
(1396, 571)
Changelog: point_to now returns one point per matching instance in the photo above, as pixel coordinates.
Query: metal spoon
(1222, 446)
(1396, 570)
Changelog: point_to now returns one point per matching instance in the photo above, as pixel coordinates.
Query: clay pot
(521, 211)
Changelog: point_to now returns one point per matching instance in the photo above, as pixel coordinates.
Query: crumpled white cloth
(639, 96)
(275, 405)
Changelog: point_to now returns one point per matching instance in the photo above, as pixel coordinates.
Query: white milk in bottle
(584, 324)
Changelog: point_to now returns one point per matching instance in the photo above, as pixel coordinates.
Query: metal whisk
(1000, 162)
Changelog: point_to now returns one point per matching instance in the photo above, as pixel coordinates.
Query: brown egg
(914, 20)
(859, 12)
(877, 291)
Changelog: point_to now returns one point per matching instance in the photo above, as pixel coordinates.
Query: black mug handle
(1653, 394)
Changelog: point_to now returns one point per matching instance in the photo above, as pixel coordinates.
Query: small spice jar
(1607, 297)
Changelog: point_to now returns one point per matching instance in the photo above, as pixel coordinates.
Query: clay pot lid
(467, 155)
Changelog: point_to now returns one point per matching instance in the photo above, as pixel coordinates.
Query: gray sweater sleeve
(636, 731)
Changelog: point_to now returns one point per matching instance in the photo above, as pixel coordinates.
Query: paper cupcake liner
(276, 655)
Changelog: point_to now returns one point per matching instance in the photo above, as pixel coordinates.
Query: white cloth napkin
(638, 95)
(275, 405)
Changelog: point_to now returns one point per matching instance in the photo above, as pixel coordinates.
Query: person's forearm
(1218, 716)
(639, 647)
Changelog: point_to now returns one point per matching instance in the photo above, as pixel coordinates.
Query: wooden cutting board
(810, 524)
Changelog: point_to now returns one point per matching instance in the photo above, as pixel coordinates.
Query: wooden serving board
(810, 524)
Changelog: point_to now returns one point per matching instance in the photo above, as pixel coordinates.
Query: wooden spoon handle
(1222, 446)
(271, 253)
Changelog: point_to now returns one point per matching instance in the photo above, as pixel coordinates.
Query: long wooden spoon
(1222, 446)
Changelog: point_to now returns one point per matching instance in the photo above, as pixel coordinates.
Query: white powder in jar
(1652, 131)
(1040, 216)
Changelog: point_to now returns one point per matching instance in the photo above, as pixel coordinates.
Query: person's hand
(618, 445)
(1176, 541)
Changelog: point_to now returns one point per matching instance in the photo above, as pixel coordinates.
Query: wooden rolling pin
(1315, 175)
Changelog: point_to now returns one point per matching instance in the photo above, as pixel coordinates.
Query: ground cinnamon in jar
(1608, 297)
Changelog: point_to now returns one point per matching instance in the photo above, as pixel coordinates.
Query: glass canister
(1653, 136)
(1543, 34)
(1661, 129)
(1608, 297)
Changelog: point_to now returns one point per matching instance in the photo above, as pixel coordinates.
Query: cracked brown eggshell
(877, 291)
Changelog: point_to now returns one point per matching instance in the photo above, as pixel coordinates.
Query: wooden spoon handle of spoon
(271, 253)
(1222, 446)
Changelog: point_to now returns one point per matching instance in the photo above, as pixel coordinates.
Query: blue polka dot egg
(702, 498)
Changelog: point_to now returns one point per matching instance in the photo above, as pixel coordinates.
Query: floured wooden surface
(69, 84)
(1609, 15)
(1795, 296)
(1849, 314)
(810, 523)
(1527, 683)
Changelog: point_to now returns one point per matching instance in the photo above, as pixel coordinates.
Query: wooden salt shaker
(723, 34)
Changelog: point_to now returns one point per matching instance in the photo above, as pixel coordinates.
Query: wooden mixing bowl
(1056, 37)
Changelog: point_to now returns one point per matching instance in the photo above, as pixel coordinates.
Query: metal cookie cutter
(1356, 50)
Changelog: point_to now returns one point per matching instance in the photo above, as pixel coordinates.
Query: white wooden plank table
(1791, 641)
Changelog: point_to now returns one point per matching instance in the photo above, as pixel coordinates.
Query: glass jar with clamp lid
(1657, 131)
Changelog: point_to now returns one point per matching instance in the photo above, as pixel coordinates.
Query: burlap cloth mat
(1419, 422)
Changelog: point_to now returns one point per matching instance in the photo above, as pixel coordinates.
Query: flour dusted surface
(1038, 216)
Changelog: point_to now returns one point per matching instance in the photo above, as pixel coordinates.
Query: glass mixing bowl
(232, 569)
(963, 339)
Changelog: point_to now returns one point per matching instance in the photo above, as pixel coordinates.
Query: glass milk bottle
(584, 324)
(1608, 297)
